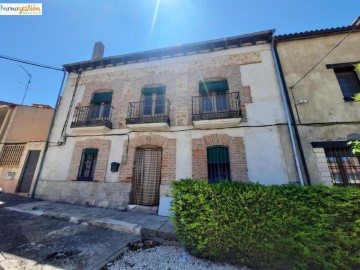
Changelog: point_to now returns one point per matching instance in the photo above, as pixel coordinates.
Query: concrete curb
(108, 223)
(117, 225)
(31, 212)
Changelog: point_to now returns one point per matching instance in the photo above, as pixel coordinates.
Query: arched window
(101, 104)
(218, 164)
(87, 164)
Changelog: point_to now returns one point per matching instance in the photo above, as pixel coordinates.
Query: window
(218, 164)
(11, 154)
(153, 100)
(87, 164)
(101, 105)
(214, 96)
(348, 81)
(344, 166)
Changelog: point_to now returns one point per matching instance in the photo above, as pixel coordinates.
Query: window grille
(218, 164)
(87, 164)
(344, 166)
(11, 154)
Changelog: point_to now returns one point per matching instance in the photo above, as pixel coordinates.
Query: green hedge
(269, 227)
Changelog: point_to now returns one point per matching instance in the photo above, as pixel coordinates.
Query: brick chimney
(98, 52)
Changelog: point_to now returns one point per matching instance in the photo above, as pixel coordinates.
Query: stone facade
(322, 166)
(181, 83)
(248, 70)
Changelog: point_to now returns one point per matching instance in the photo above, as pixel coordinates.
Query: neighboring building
(23, 133)
(208, 110)
(326, 115)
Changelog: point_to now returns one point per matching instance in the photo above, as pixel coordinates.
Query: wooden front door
(145, 188)
(28, 174)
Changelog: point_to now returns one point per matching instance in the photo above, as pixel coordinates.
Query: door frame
(23, 170)
(146, 147)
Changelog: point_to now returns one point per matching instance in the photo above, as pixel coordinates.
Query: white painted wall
(267, 106)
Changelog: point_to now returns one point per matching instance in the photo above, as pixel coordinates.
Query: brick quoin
(168, 165)
(101, 162)
(238, 166)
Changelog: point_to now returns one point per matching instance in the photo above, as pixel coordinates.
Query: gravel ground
(167, 258)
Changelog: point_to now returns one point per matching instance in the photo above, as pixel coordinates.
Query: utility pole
(27, 86)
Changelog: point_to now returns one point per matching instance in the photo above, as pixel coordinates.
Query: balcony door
(153, 100)
(100, 106)
(145, 188)
(213, 96)
(214, 102)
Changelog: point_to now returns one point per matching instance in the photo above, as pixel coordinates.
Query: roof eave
(315, 33)
(173, 51)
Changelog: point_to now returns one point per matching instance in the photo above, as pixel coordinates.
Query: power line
(355, 25)
(29, 62)
(27, 86)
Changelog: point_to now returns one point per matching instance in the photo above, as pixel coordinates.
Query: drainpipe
(48, 137)
(290, 122)
(63, 132)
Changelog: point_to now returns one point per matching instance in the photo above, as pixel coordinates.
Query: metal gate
(28, 174)
(145, 188)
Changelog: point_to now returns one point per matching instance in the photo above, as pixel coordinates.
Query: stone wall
(181, 81)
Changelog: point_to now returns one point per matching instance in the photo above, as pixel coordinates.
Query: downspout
(48, 137)
(290, 122)
(63, 132)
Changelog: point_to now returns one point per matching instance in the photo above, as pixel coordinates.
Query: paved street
(36, 242)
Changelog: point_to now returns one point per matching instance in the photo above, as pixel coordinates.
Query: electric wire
(29, 62)
(337, 45)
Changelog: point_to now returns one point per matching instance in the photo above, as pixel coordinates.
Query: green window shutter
(91, 151)
(105, 97)
(214, 86)
(218, 154)
(151, 90)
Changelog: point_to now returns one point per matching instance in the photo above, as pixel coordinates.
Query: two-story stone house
(318, 68)
(129, 125)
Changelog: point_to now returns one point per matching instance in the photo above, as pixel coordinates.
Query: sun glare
(155, 14)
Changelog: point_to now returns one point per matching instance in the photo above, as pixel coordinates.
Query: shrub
(269, 227)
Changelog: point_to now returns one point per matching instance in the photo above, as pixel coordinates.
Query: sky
(67, 31)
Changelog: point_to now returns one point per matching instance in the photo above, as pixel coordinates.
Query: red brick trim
(168, 157)
(115, 87)
(238, 165)
(101, 162)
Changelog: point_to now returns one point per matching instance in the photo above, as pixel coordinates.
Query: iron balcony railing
(92, 116)
(216, 106)
(150, 111)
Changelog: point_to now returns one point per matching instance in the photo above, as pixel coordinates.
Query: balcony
(92, 118)
(219, 110)
(149, 115)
